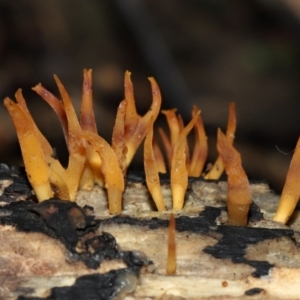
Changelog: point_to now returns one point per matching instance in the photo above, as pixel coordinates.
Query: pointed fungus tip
(200, 149)
(218, 167)
(6, 102)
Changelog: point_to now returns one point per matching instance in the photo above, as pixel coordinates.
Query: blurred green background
(203, 52)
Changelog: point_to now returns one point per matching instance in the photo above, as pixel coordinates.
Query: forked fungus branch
(218, 167)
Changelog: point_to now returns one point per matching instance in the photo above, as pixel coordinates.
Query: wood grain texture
(53, 250)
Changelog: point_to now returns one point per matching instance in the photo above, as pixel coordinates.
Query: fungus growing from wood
(151, 171)
(114, 180)
(136, 127)
(171, 260)
(93, 160)
(76, 144)
(92, 168)
(179, 173)
(118, 137)
(238, 191)
(291, 190)
(194, 165)
(36, 166)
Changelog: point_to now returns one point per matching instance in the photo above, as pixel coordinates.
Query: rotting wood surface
(61, 250)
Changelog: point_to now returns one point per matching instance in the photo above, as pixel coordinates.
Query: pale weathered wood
(214, 261)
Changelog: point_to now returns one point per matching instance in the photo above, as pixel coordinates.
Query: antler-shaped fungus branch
(92, 167)
(238, 194)
(56, 171)
(136, 126)
(118, 137)
(200, 149)
(36, 166)
(218, 166)
(56, 105)
(151, 171)
(76, 144)
(179, 175)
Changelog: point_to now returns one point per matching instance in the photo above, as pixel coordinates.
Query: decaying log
(66, 250)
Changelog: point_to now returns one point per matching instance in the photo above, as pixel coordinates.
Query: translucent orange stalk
(167, 145)
(151, 171)
(57, 179)
(88, 123)
(36, 166)
(291, 190)
(200, 149)
(238, 193)
(57, 172)
(118, 137)
(179, 174)
(92, 167)
(159, 158)
(76, 144)
(135, 125)
(171, 263)
(86, 181)
(218, 166)
(187, 150)
(131, 116)
(114, 181)
(173, 123)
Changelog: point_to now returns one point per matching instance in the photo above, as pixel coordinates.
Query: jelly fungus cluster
(92, 160)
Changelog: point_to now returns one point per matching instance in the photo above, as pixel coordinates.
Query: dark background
(207, 53)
